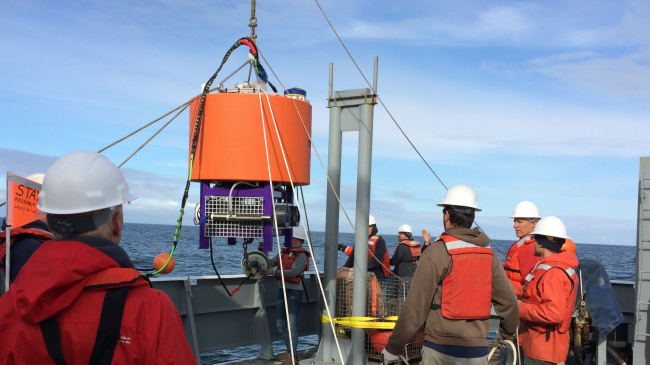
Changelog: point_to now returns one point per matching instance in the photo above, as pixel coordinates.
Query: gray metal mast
(642, 327)
(350, 110)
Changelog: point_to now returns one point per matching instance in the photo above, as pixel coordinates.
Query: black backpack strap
(52, 337)
(435, 307)
(108, 332)
(110, 322)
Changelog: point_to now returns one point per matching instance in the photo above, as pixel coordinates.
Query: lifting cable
(275, 224)
(390, 115)
(320, 284)
(326, 175)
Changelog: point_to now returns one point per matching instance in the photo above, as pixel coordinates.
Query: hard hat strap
(66, 225)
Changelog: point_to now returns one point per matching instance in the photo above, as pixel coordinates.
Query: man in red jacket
(549, 297)
(79, 300)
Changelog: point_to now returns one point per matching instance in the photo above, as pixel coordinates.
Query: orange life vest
(543, 341)
(385, 262)
(511, 263)
(16, 233)
(288, 256)
(416, 249)
(116, 278)
(467, 289)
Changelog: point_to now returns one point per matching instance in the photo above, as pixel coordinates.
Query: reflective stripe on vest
(288, 256)
(535, 297)
(416, 249)
(467, 289)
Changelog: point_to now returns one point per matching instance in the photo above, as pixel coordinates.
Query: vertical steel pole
(361, 226)
(332, 222)
(374, 78)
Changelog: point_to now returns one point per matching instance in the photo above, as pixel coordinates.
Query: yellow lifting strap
(386, 323)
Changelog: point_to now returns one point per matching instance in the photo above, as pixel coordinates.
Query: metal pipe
(374, 78)
(331, 80)
(361, 225)
(332, 224)
(615, 355)
(227, 217)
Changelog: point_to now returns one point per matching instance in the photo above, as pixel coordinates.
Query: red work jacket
(520, 260)
(546, 307)
(69, 279)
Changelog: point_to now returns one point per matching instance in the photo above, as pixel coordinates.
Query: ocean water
(144, 241)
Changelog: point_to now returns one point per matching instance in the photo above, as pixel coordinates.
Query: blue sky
(541, 101)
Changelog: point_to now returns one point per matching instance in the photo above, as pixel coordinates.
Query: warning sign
(22, 199)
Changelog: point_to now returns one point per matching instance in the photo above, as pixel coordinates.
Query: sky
(541, 101)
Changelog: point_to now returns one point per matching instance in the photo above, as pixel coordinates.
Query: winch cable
(154, 135)
(390, 115)
(328, 177)
(275, 225)
(170, 112)
(195, 136)
(215, 268)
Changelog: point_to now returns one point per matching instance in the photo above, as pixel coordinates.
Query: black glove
(499, 341)
(260, 246)
(342, 247)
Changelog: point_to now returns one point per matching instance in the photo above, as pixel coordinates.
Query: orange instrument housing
(231, 141)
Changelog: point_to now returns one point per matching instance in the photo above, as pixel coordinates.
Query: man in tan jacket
(457, 281)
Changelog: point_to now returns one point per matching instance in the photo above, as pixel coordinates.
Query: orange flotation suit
(416, 249)
(548, 342)
(288, 256)
(467, 289)
(16, 233)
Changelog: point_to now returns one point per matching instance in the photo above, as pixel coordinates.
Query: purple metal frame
(265, 193)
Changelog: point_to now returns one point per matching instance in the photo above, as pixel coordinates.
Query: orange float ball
(160, 260)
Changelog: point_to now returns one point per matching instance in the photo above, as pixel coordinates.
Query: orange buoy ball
(160, 260)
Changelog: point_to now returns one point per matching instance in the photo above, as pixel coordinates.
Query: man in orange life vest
(69, 304)
(376, 252)
(24, 240)
(406, 253)
(457, 281)
(295, 261)
(549, 297)
(520, 258)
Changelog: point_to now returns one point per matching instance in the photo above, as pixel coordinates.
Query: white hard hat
(371, 220)
(405, 228)
(460, 196)
(299, 233)
(37, 178)
(525, 209)
(83, 181)
(551, 226)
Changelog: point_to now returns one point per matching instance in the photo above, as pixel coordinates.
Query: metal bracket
(190, 312)
(261, 328)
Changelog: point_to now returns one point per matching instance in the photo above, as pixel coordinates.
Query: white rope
(313, 257)
(313, 145)
(277, 232)
(514, 351)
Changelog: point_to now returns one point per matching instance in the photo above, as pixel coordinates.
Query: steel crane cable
(195, 136)
(390, 115)
(275, 225)
(325, 171)
(313, 257)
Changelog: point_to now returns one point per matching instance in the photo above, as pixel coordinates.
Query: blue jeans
(294, 301)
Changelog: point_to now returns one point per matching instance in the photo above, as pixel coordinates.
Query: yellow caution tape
(386, 323)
